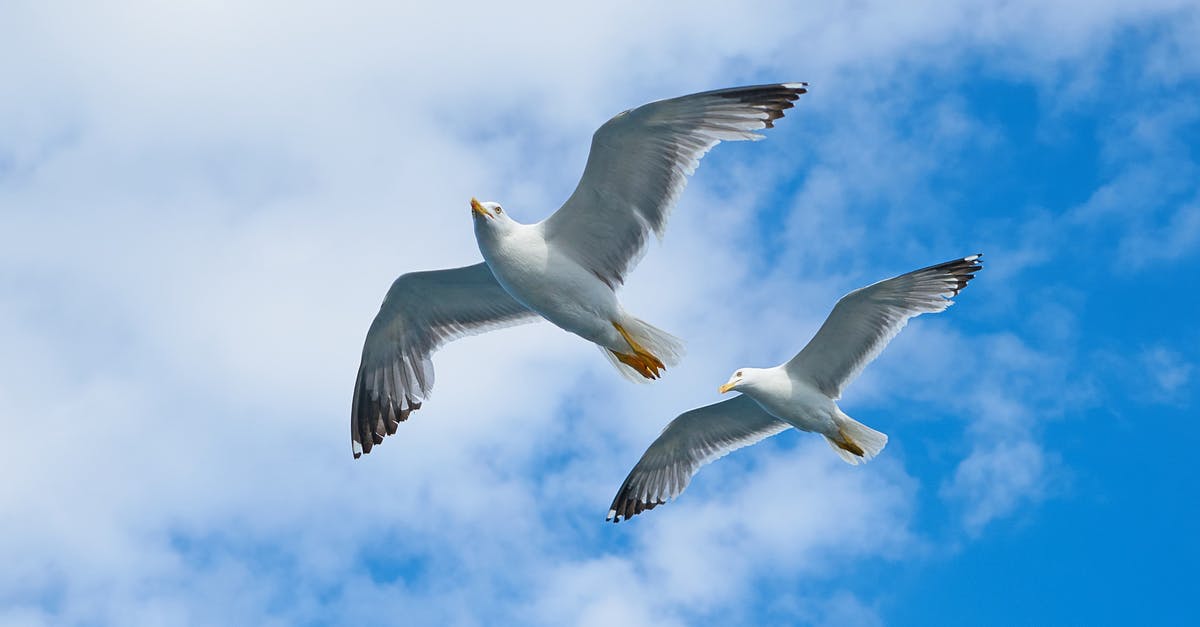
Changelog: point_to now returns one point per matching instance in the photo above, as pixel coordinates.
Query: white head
(490, 217)
(741, 379)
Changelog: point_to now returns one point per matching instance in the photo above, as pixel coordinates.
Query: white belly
(553, 285)
(798, 404)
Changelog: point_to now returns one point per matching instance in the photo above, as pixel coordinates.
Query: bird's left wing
(639, 163)
(421, 311)
(865, 320)
(692, 440)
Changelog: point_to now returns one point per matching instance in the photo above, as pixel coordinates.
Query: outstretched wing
(639, 163)
(421, 311)
(865, 320)
(692, 440)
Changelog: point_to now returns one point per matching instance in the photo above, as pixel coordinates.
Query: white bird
(801, 393)
(565, 268)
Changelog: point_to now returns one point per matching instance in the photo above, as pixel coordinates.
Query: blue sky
(202, 206)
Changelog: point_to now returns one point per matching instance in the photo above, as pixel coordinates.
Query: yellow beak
(725, 388)
(478, 208)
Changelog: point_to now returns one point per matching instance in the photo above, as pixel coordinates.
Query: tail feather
(859, 442)
(666, 347)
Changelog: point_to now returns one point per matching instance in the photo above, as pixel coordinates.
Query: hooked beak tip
(725, 388)
(479, 208)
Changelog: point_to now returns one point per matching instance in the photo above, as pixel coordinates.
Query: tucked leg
(641, 360)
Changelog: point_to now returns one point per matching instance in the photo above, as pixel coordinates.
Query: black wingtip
(963, 270)
(624, 508)
(373, 417)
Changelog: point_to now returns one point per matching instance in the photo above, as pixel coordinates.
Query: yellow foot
(640, 363)
(641, 360)
(846, 444)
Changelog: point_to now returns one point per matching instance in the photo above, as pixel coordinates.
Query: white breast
(795, 402)
(548, 282)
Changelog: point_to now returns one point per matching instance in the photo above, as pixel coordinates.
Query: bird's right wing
(639, 164)
(421, 311)
(865, 320)
(692, 440)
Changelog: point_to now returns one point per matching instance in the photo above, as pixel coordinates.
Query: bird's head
(741, 379)
(490, 220)
(487, 212)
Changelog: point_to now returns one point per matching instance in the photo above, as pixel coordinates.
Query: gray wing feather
(421, 311)
(692, 440)
(639, 163)
(865, 320)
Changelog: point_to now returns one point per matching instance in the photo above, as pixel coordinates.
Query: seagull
(801, 393)
(566, 268)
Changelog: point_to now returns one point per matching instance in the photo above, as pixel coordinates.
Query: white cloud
(1149, 202)
(995, 480)
(1178, 238)
(1167, 371)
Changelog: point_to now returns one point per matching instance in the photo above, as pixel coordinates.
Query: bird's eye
(739, 373)
(498, 209)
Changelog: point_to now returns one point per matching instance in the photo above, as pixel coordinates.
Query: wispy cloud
(995, 480)
(1168, 372)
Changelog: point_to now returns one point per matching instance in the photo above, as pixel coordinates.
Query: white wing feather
(865, 320)
(639, 163)
(692, 440)
(421, 311)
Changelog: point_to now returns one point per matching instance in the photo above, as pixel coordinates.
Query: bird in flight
(565, 268)
(800, 393)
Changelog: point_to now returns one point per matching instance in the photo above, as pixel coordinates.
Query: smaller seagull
(800, 393)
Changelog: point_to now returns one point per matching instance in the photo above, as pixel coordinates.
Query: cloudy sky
(202, 205)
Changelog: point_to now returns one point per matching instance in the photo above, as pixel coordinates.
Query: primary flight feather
(565, 268)
(801, 393)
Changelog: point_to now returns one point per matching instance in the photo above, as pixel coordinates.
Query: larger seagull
(801, 393)
(565, 268)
